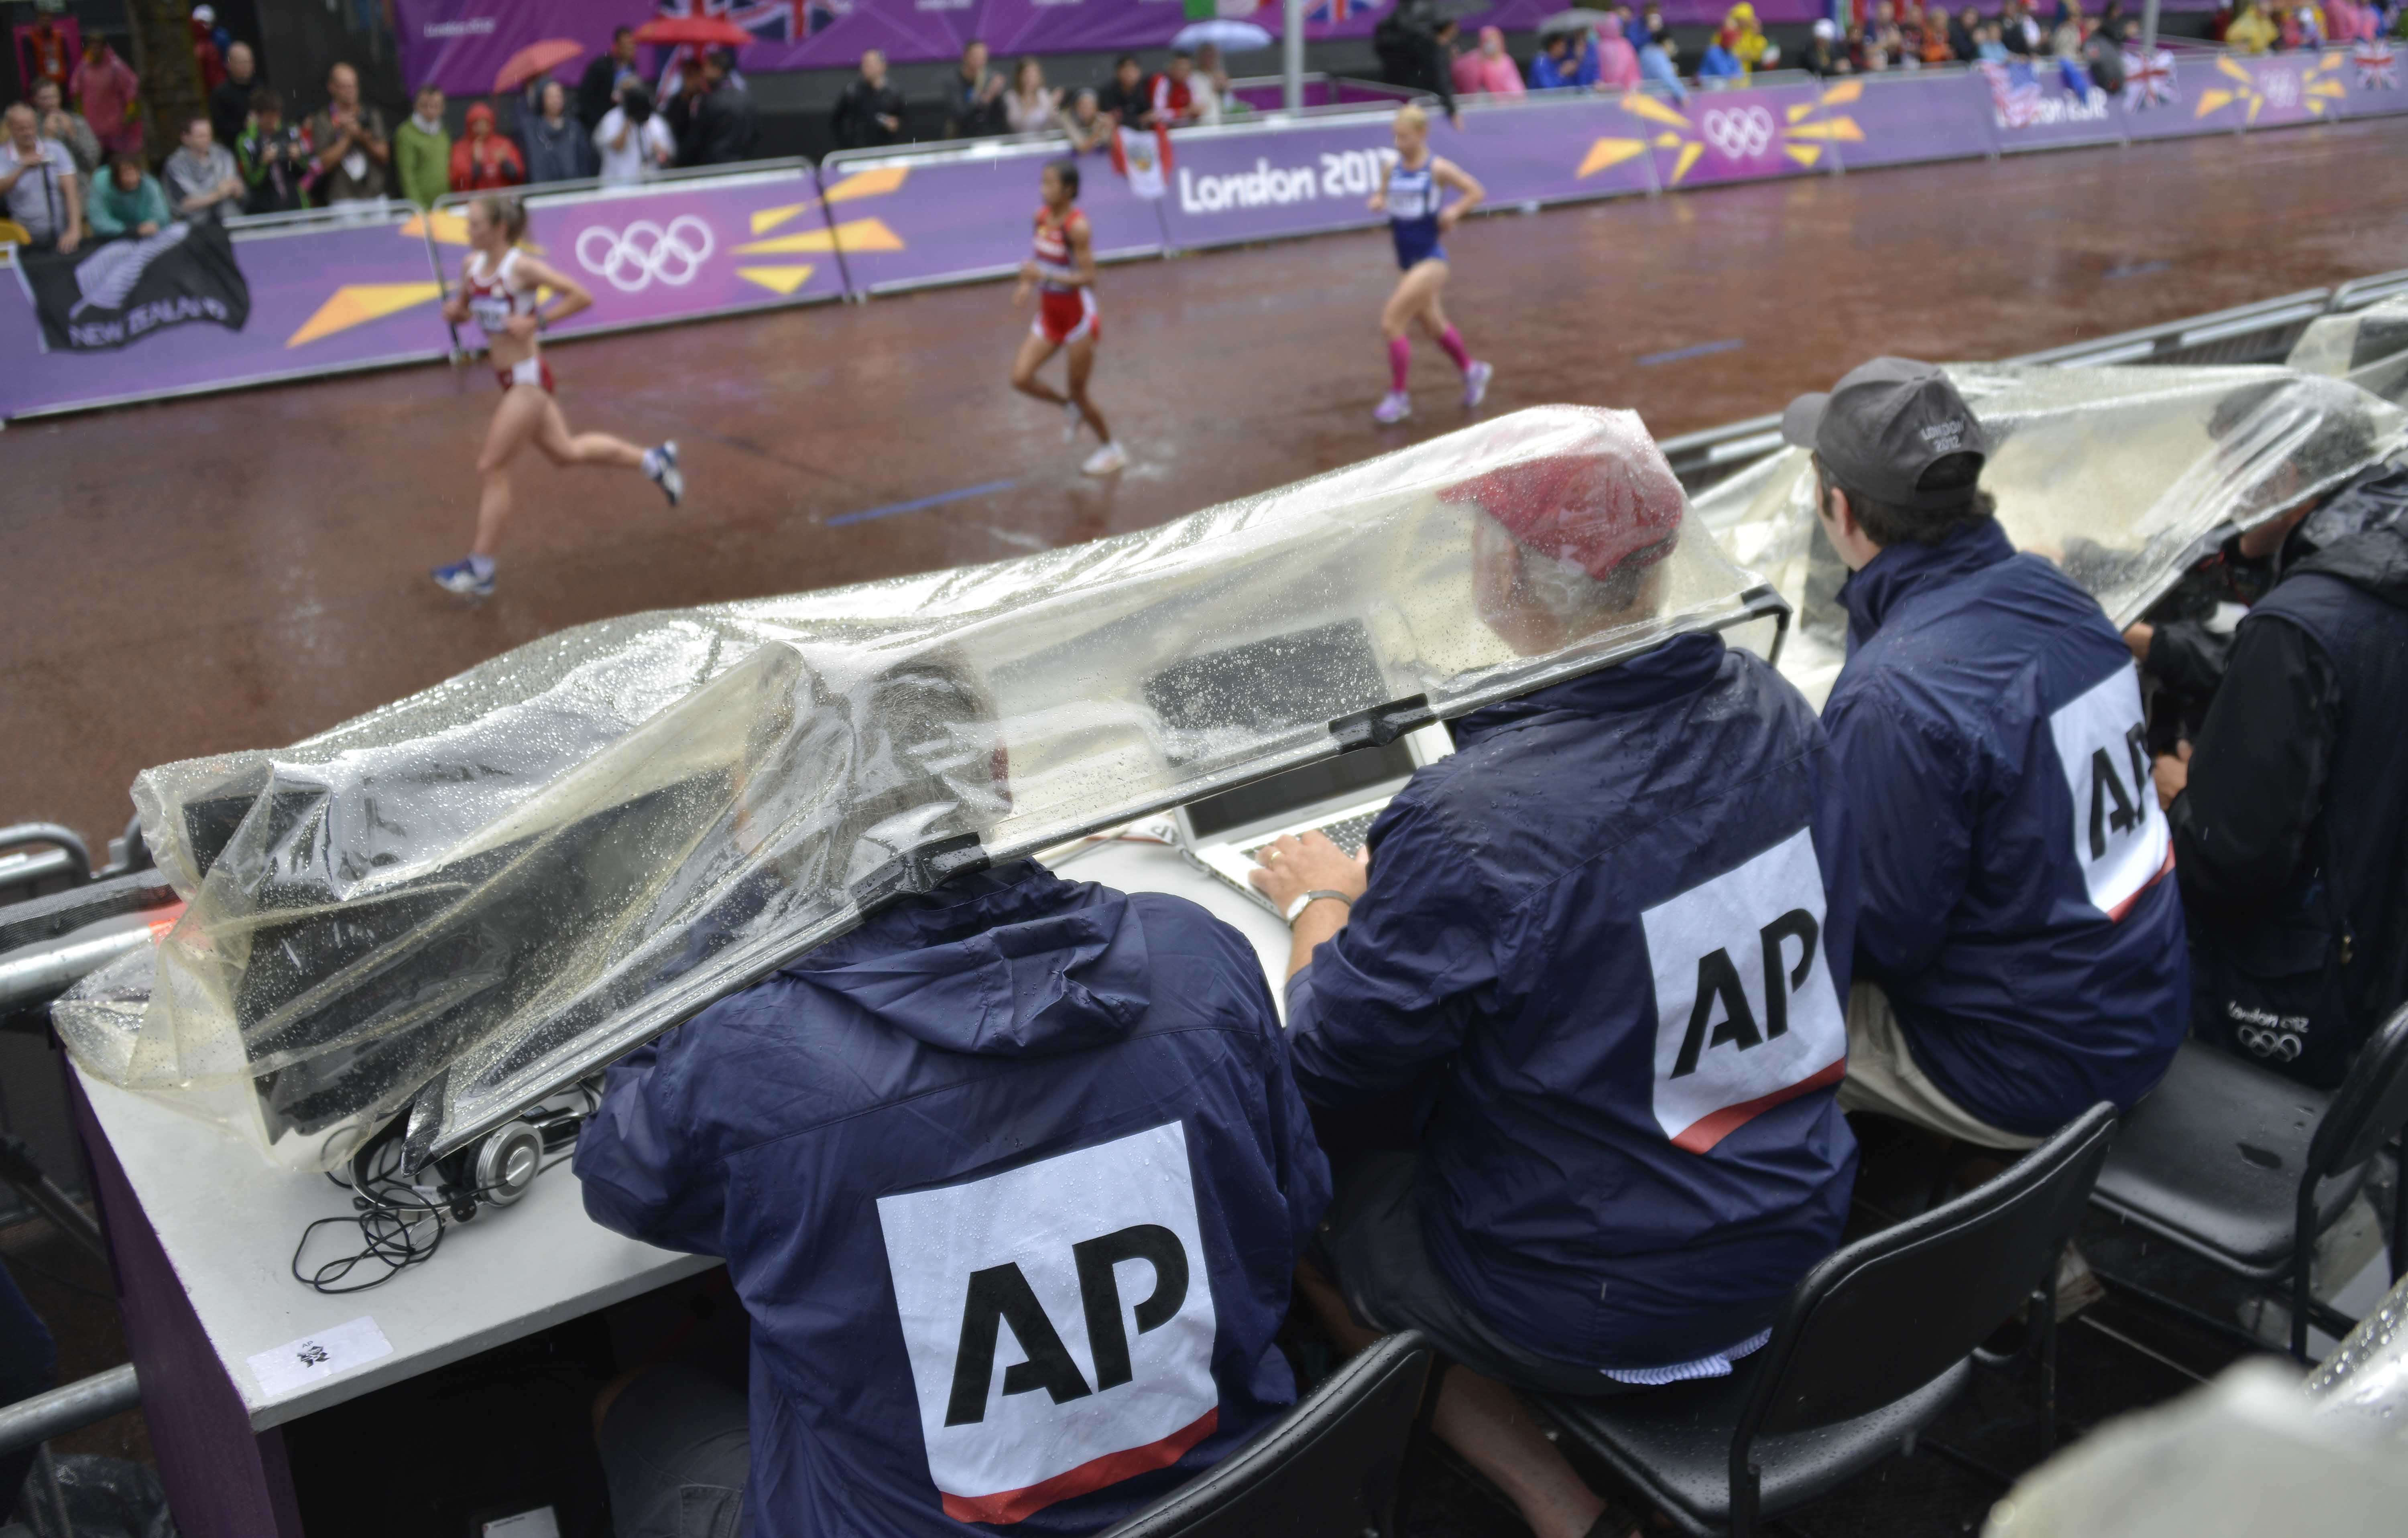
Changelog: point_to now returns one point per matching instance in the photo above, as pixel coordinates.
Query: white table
(204, 1229)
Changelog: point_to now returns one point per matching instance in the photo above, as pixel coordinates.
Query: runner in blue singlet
(1413, 195)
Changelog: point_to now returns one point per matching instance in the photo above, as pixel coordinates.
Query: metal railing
(2264, 331)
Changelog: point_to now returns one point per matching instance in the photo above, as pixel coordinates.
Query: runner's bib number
(1060, 1324)
(1748, 1015)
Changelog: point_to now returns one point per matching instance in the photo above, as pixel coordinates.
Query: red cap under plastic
(1598, 510)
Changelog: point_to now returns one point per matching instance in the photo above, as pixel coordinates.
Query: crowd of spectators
(982, 102)
(80, 170)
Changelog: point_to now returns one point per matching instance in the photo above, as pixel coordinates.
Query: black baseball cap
(1882, 425)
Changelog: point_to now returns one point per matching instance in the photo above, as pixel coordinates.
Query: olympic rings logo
(1741, 134)
(2269, 1043)
(631, 259)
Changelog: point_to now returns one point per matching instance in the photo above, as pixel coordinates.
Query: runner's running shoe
(461, 578)
(662, 466)
(1475, 385)
(1394, 407)
(1104, 460)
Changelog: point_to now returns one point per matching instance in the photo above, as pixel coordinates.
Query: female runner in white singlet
(498, 289)
(1062, 269)
(1412, 194)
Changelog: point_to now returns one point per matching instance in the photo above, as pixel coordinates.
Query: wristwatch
(1296, 910)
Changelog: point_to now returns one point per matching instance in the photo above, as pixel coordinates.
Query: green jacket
(114, 211)
(424, 161)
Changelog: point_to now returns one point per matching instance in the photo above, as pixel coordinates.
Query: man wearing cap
(1594, 965)
(2019, 954)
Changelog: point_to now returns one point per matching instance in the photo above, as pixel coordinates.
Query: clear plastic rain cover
(2122, 475)
(2369, 347)
(470, 898)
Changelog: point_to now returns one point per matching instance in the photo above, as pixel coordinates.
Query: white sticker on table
(296, 1364)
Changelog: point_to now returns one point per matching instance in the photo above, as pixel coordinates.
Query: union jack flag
(771, 21)
(2377, 69)
(2014, 94)
(2149, 80)
(1331, 12)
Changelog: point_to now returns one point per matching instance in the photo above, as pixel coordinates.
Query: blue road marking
(961, 494)
(1698, 351)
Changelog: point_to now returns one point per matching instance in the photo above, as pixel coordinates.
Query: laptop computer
(1265, 687)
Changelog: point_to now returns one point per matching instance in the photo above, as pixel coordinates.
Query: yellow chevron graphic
(1844, 130)
(1607, 153)
(1651, 109)
(777, 280)
(765, 219)
(357, 303)
(1689, 153)
(853, 235)
(1804, 154)
(451, 229)
(885, 179)
(1839, 95)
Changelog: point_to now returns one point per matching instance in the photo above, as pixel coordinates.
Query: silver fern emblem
(108, 275)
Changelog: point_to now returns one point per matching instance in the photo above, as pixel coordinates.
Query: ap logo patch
(1059, 1319)
(2121, 844)
(1747, 1012)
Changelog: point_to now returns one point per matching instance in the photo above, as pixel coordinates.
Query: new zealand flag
(105, 297)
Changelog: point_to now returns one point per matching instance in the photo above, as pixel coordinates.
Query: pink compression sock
(1452, 340)
(1400, 358)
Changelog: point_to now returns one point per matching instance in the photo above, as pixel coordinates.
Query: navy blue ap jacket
(1012, 1180)
(1616, 922)
(2016, 911)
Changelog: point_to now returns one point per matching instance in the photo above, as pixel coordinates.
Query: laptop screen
(1363, 770)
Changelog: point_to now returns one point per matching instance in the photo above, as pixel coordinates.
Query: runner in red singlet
(499, 289)
(1063, 272)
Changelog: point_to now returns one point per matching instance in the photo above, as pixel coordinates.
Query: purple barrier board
(674, 252)
(1551, 150)
(1267, 183)
(1270, 183)
(963, 216)
(1747, 134)
(1897, 121)
(321, 299)
(2372, 81)
(2037, 106)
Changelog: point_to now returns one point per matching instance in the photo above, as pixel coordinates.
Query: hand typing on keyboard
(1288, 867)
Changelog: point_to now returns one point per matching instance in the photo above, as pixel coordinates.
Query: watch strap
(1296, 910)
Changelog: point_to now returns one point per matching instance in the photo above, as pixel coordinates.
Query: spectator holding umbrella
(558, 148)
(724, 119)
(485, 161)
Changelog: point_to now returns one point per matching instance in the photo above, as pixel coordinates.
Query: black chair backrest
(2371, 1105)
(1327, 1469)
(1896, 1309)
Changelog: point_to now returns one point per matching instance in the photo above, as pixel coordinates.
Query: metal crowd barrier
(361, 288)
(2262, 333)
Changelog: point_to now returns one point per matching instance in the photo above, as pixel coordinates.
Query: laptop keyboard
(1346, 832)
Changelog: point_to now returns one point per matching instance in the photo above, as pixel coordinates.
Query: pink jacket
(1476, 73)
